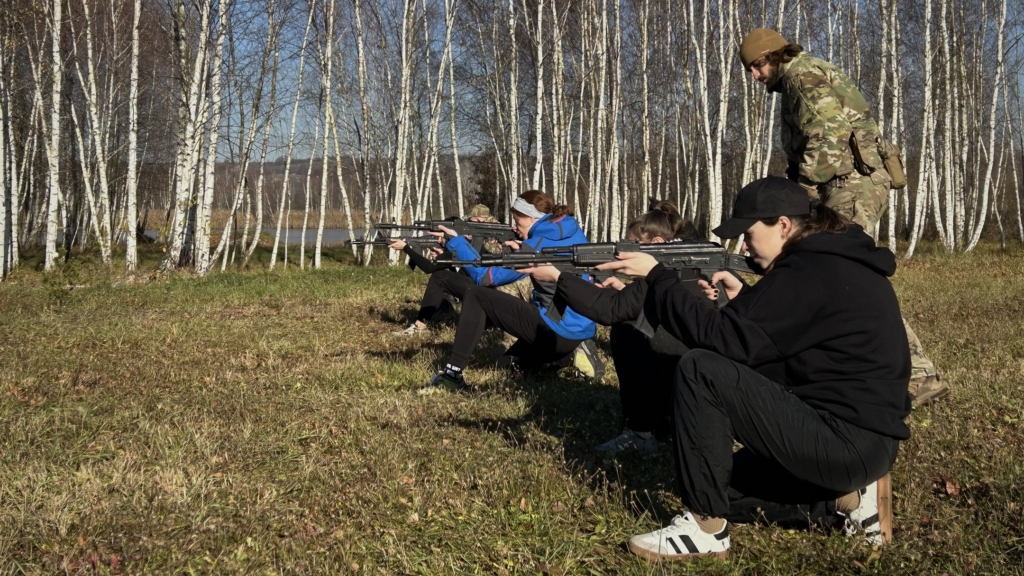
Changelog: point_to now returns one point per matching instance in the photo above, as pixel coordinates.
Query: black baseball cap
(765, 198)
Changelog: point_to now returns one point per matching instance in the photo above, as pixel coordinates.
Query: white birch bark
(203, 258)
(132, 184)
(99, 201)
(645, 96)
(923, 182)
(307, 190)
(364, 104)
(189, 110)
(946, 227)
(260, 184)
(513, 100)
(538, 167)
(327, 78)
(6, 170)
(291, 135)
(450, 6)
(53, 145)
(403, 120)
(986, 188)
(616, 199)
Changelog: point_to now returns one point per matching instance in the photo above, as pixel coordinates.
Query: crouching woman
(547, 331)
(807, 369)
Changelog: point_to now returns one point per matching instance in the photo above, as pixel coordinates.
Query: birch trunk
(291, 135)
(449, 12)
(132, 184)
(53, 146)
(402, 141)
(538, 167)
(326, 87)
(997, 84)
(189, 110)
(5, 169)
(205, 205)
(364, 104)
(926, 137)
(513, 100)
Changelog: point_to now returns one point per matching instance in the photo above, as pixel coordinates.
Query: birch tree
(53, 144)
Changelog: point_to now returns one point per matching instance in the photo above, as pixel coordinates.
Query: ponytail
(544, 204)
(821, 219)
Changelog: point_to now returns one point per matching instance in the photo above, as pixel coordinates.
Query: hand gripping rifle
(702, 258)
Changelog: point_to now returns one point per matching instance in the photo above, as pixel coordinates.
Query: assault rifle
(417, 242)
(479, 233)
(702, 258)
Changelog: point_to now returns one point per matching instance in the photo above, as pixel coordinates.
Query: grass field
(265, 422)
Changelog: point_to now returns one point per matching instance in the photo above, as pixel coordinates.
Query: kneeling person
(793, 370)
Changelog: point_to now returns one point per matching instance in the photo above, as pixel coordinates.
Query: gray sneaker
(586, 361)
(643, 442)
(441, 382)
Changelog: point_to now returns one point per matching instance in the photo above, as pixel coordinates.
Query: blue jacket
(545, 233)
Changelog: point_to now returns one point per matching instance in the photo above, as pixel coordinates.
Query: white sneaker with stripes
(873, 517)
(680, 540)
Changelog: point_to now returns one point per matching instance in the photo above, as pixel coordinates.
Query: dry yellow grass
(267, 422)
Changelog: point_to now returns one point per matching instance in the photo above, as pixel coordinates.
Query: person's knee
(699, 375)
(472, 293)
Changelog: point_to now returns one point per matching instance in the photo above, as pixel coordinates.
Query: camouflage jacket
(821, 109)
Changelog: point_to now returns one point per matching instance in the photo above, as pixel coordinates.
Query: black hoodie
(824, 323)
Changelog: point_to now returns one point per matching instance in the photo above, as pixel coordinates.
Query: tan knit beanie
(760, 42)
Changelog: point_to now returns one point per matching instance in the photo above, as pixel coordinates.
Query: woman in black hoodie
(794, 369)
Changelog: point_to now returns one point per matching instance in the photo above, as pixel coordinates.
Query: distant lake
(294, 235)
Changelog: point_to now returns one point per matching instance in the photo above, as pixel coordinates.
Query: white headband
(527, 209)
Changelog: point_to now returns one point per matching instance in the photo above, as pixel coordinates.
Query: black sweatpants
(441, 282)
(538, 344)
(796, 459)
(645, 381)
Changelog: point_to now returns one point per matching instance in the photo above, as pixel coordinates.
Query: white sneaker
(680, 540)
(411, 330)
(873, 517)
(630, 440)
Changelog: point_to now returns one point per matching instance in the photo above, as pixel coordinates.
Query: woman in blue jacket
(547, 331)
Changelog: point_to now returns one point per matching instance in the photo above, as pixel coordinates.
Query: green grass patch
(266, 422)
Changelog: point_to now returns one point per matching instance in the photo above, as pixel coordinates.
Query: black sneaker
(442, 381)
(585, 360)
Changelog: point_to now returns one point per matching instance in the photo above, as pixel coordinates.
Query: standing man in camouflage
(832, 143)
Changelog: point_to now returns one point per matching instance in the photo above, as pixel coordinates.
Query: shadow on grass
(580, 413)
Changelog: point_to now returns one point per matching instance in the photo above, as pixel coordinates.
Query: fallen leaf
(558, 507)
(524, 505)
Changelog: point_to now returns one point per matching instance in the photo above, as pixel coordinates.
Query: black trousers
(538, 344)
(645, 381)
(796, 459)
(441, 282)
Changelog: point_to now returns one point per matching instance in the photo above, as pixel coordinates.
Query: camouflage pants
(864, 199)
(522, 289)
